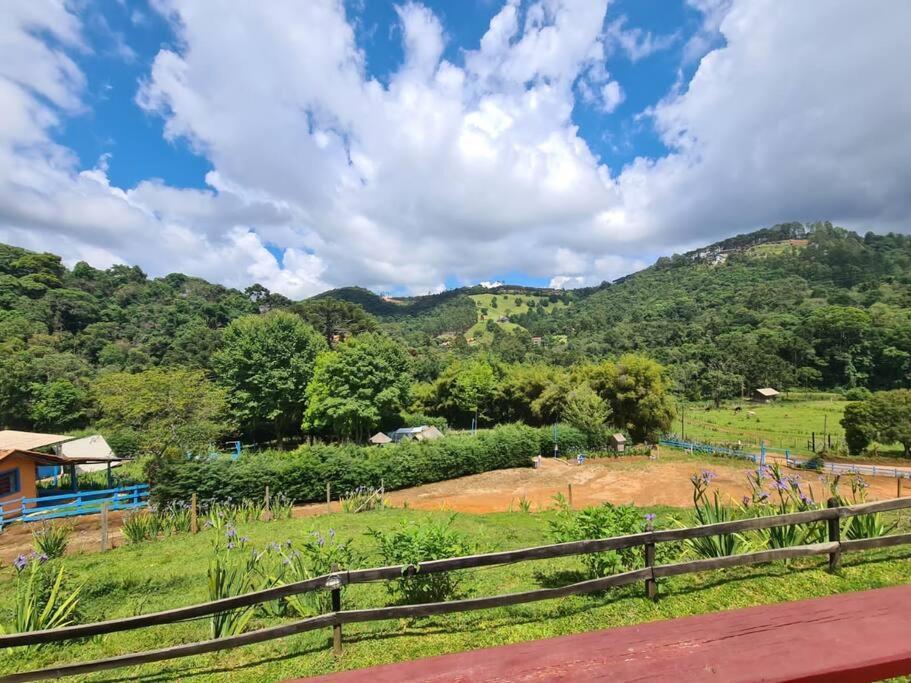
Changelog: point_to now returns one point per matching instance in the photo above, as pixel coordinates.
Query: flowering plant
(40, 606)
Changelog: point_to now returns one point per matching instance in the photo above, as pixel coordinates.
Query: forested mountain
(787, 306)
(792, 305)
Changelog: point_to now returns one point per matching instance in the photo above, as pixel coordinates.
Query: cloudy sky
(407, 147)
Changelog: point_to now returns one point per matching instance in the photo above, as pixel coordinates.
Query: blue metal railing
(710, 449)
(73, 504)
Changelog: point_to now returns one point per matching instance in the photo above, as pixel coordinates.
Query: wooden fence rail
(834, 547)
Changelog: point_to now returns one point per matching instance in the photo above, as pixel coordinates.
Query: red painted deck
(864, 636)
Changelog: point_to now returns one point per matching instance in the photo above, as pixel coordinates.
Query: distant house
(503, 319)
(536, 341)
(422, 433)
(380, 439)
(618, 442)
(765, 395)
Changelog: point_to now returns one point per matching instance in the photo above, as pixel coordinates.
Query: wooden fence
(650, 574)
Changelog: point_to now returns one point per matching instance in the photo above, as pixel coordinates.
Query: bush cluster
(302, 475)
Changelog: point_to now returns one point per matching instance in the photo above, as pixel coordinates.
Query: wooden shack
(617, 442)
(765, 395)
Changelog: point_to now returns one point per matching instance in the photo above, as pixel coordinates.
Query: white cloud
(462, 170)
(612, 96)
(636, 43)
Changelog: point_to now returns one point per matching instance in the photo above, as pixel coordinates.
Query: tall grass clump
(42, 600)
(52, 540)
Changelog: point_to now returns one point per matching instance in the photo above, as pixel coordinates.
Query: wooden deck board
(848, 638)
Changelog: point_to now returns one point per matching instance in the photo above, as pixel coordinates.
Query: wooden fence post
(194, 521)
(899, 486)
(834, 537)
(267, 507)
(651, 586)
(328, 497)
(336, 607)
(104, 526)
(570, 490)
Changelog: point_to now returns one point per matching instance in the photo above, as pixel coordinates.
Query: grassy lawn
(788, 423)
(172, 572)
(506, 305)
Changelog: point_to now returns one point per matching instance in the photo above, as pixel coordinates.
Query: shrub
(858, 394)
(317, 556)
(51, 540)
(303, 474)
(421, 419)
(570, 440)
(412, 543)
(602, 521)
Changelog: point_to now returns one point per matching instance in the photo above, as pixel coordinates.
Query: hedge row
(302, 475)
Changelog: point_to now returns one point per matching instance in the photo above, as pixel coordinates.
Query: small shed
(380, 439)
(93, 452)
(422, 433)
(765, 395)
(618, 442)
(19, 476)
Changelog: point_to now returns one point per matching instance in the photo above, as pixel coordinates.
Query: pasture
(788, 423)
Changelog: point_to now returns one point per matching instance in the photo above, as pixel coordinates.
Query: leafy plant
(51, 540)
(712, 511)
(602, 521)
(785, 495)
(412, 543)
(232, 571)
(318, 555)
(864, 526)
(40, 603)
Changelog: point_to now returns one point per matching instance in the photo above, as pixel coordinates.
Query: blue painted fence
(710, 450)
(73, 504)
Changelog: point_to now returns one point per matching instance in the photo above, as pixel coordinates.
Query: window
(9, 482)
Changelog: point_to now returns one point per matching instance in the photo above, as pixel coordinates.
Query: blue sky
(413, 146)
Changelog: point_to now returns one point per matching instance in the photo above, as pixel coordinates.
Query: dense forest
(789, 306)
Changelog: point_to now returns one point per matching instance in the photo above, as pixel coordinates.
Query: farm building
(380, 439)
(74, 455)
(422, 433)
(92, 451)
(19, 475)
(765, 395)
(618, 442)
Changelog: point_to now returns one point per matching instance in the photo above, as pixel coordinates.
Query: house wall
(28, 487)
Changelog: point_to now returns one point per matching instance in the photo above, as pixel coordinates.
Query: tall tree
(636, 388)
(265, 364)
(335, 319)
(174, 410)
(358, 387)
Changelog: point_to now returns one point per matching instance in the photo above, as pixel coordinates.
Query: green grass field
(172, 572)
(786, 424)
(506, 305)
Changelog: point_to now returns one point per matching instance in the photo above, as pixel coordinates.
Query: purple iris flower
(20, 563)
(650, 517)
